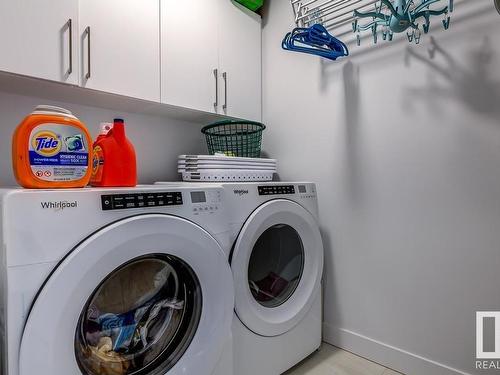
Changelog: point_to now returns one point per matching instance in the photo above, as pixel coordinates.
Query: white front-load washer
(277, 264)
(115, 282)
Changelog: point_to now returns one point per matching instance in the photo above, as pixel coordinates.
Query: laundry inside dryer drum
(276, 265)
(141, 319)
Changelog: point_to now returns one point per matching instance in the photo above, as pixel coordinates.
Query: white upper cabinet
(240, 50)
(198, 54)
(213, 62)
(35, 38)
(189, 50)
(120, 47)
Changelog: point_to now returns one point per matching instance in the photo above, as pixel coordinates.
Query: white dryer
(115, 282)
(277, 264)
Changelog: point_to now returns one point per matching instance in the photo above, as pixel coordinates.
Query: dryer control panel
(140, 200)
(205, 202)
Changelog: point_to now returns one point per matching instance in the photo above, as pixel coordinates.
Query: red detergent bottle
(114, 161)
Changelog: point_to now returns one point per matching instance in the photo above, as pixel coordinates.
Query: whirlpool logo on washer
(59, 206)
(240, 192)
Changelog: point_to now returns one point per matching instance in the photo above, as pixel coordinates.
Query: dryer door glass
(276, 265)
(141, 319)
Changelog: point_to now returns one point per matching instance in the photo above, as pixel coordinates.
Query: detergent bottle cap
(52, 110)
(119, 129)
(105, 127)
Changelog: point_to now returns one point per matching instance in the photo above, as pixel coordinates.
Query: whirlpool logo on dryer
(59, 206)
(240, 192)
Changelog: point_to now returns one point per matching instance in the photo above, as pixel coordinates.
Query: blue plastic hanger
(315, 40)
(334, 50)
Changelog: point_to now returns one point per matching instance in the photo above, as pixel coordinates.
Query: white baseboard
(386, 355)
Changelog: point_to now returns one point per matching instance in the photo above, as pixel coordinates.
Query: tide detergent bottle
(114, 162)
(51, 148)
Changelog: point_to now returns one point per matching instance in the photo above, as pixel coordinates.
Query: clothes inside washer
(131, 327)
(106, 361)
(128, 329)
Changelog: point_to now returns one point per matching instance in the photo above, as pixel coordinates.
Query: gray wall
(157, 140)
(406, 153)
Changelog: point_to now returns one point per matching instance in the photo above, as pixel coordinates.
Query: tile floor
(330, 360)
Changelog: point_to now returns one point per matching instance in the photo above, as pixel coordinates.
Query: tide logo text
(46, 143)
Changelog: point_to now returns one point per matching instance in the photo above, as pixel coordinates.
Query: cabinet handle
(224, 76)
(87, 32)
(70, 29)
(216, 75)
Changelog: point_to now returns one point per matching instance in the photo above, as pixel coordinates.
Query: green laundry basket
(253, 5)
(234, 138)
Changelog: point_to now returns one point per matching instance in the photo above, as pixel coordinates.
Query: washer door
(277, 265)
(150, 294)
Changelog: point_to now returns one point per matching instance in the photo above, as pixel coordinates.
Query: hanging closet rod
(326, 10)
(349, 12)
(344, 4)
(331, 13)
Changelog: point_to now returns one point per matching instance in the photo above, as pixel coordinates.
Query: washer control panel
(140, 200)
(276, 189)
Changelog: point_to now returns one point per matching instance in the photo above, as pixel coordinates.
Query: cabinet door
(120, 47)
(189, 50)
(35, 38)
(240, 61)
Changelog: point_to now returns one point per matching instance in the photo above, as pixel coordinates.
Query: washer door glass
(141, 319)
(276, 265)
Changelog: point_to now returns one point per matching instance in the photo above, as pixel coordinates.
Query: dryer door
(277, 265)
(150, 294)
